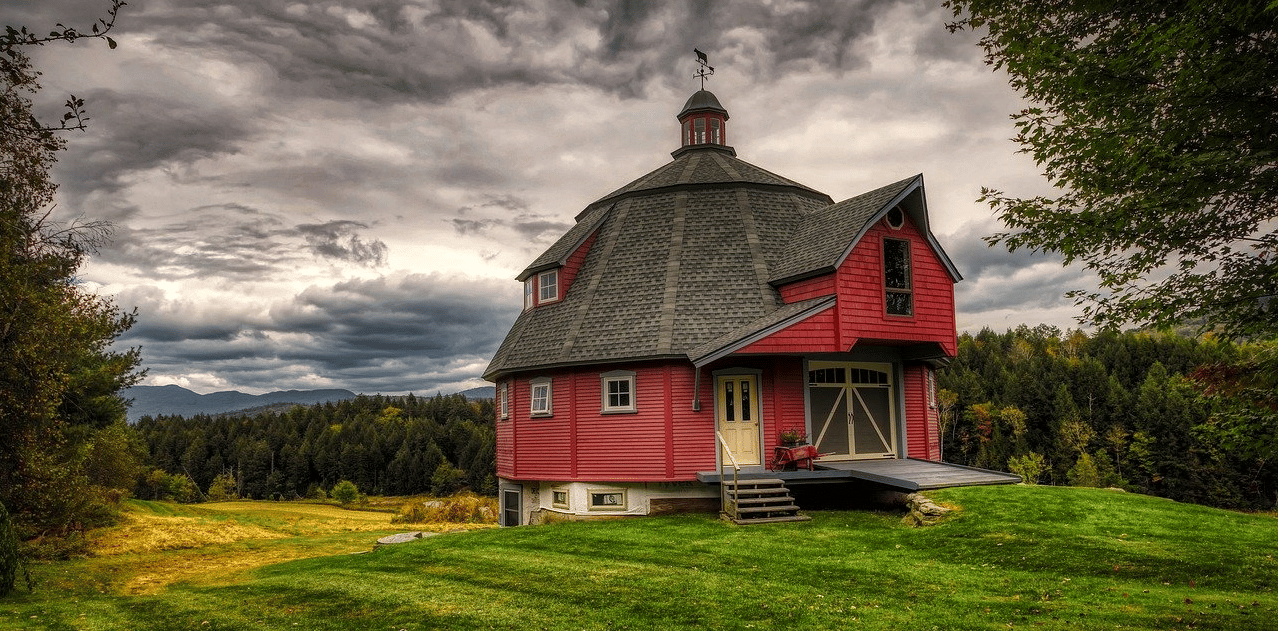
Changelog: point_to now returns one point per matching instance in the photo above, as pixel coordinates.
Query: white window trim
(529, 292)
(533, 385)
(503, 400)
(542, 284)
(627, 376)
(590, 500)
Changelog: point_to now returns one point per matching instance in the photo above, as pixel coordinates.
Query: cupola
(703, 122)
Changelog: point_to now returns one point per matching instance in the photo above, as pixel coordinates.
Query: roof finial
(704, 69)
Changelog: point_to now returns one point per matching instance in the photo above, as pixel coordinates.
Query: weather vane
(704, 69)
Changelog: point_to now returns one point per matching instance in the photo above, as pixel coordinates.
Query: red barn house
(694, 314)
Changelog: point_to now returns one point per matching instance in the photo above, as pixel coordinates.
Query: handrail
(736, 469)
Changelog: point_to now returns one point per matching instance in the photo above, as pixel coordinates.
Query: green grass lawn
(1012, 557)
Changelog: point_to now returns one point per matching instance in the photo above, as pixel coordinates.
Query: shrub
(1084, 472)
(1029, 467)
(464, 508)
(222, 488)
(446, 480)
(345, 492)
(10, 555)
(181, 488)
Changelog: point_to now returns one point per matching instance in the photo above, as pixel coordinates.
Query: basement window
(899, 293)
(618, 391)
(559, 498)
(540, 397)
(605, 500)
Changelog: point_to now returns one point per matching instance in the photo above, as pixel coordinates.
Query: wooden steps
(759, 501)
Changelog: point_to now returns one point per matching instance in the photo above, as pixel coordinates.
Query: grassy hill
(1013, 556)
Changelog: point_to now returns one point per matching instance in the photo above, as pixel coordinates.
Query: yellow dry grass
(160, 544)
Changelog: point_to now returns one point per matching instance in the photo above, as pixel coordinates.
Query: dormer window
(528, 294)
(548, 284)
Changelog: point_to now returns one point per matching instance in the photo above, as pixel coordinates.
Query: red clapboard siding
(920, 418)
(573, 264)
(693, 437)
(916, 430)
(813, 335)
(506, 434)
(664, 441)
(808, 288)
(661, 442)
(784, 390)
(860, 286)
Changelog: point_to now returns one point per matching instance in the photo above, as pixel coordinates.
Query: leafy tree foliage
(61, 456)
(1246, 396)
(382, 445)
(1158, 122)
(345, 492)
(1107, 409)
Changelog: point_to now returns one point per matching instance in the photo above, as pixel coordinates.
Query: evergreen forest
(385, 445)
(1106, 409)
(1109, 409)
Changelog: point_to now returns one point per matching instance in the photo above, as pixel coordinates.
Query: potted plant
(792, 437)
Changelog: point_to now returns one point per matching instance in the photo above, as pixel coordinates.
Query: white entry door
(852, 410)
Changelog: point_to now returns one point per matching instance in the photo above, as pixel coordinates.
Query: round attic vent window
(896, 218)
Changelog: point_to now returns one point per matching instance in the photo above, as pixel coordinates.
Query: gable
(826, 237)
(859, 283)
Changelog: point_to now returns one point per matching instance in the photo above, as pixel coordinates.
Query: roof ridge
(670, 294)
(588, 295)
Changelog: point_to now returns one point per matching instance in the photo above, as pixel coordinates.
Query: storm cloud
(340, 194)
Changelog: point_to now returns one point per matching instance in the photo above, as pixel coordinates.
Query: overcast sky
(339, 194)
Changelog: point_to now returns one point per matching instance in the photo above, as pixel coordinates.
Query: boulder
(923, 511)
(403, 537)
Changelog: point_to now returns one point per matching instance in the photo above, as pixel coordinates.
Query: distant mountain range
(176, 400)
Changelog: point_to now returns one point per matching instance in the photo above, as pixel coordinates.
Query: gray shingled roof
(558, 253)
(744, 335)
(682, 262)
(702, 100)
(822, 238)
(702, 166)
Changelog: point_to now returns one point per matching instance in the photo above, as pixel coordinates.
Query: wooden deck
(905, 474)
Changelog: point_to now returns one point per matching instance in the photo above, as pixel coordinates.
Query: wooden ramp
(909, 474)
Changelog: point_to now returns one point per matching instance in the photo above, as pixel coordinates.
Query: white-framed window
(540, 397)
(607, 499)
(548, 283)
(714, 132)
(528, 294)
(898, 289)
(503, 400)
(559, 498)
(931, 387)
(617, 390)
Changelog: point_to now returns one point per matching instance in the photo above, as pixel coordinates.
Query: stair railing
(736, 470)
